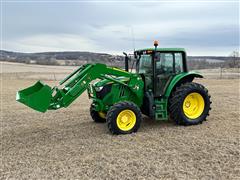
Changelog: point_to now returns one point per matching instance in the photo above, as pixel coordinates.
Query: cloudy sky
(203, 28)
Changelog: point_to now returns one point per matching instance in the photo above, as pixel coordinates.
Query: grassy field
(68, 144)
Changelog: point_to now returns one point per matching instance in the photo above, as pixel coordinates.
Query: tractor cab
(158, 66)
(162, 70)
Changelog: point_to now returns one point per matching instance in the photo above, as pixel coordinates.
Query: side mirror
(135, 55)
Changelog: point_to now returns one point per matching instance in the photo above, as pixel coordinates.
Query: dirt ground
(68, 144)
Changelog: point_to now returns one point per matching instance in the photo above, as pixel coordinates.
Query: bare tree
(234, 61)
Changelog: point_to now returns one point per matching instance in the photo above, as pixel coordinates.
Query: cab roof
(161, 49)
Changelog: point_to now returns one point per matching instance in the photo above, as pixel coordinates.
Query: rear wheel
(99, 117)
(190, 104)
(124, 118)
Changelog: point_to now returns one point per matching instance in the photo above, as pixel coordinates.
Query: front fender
(180, 78)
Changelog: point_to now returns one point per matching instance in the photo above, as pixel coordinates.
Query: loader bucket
(37, 97)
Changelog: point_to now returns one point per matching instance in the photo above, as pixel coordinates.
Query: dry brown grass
(68, 144)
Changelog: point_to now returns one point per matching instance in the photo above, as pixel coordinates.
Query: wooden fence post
(220, 72)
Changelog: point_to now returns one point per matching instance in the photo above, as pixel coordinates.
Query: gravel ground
(68, 144)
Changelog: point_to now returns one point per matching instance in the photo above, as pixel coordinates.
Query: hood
(106, 81)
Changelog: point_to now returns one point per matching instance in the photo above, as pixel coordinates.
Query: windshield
(145, 64)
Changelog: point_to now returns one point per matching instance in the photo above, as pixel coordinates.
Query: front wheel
(124, 118)
(190, 104)
(98, 117)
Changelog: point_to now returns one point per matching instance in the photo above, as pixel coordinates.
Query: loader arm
(77, 82)
(42, 97)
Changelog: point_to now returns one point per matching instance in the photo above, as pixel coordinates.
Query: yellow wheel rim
(193, 105)
(126, 120)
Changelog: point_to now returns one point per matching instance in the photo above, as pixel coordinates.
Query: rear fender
(180, 79)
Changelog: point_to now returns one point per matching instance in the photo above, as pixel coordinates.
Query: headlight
(98, 89)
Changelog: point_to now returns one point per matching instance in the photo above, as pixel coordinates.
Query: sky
(202, 27)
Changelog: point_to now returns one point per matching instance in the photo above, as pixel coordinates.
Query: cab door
(168, 64)
(164, 71)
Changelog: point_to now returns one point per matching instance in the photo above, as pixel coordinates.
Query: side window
(145, 64)
(165, 65)
(178, 62)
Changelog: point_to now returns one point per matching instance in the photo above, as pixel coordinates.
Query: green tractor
(161, 88)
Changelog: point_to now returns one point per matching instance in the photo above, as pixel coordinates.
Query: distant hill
(209, 58)
(82, 56)
(68, 55)
(78, 58)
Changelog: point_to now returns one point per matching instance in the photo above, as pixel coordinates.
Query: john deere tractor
(160, 87)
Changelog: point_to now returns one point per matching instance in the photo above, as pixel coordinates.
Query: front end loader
(160, 88)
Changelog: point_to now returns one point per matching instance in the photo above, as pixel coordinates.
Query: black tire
(95, 116)
(115, 110)
(177, 100)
